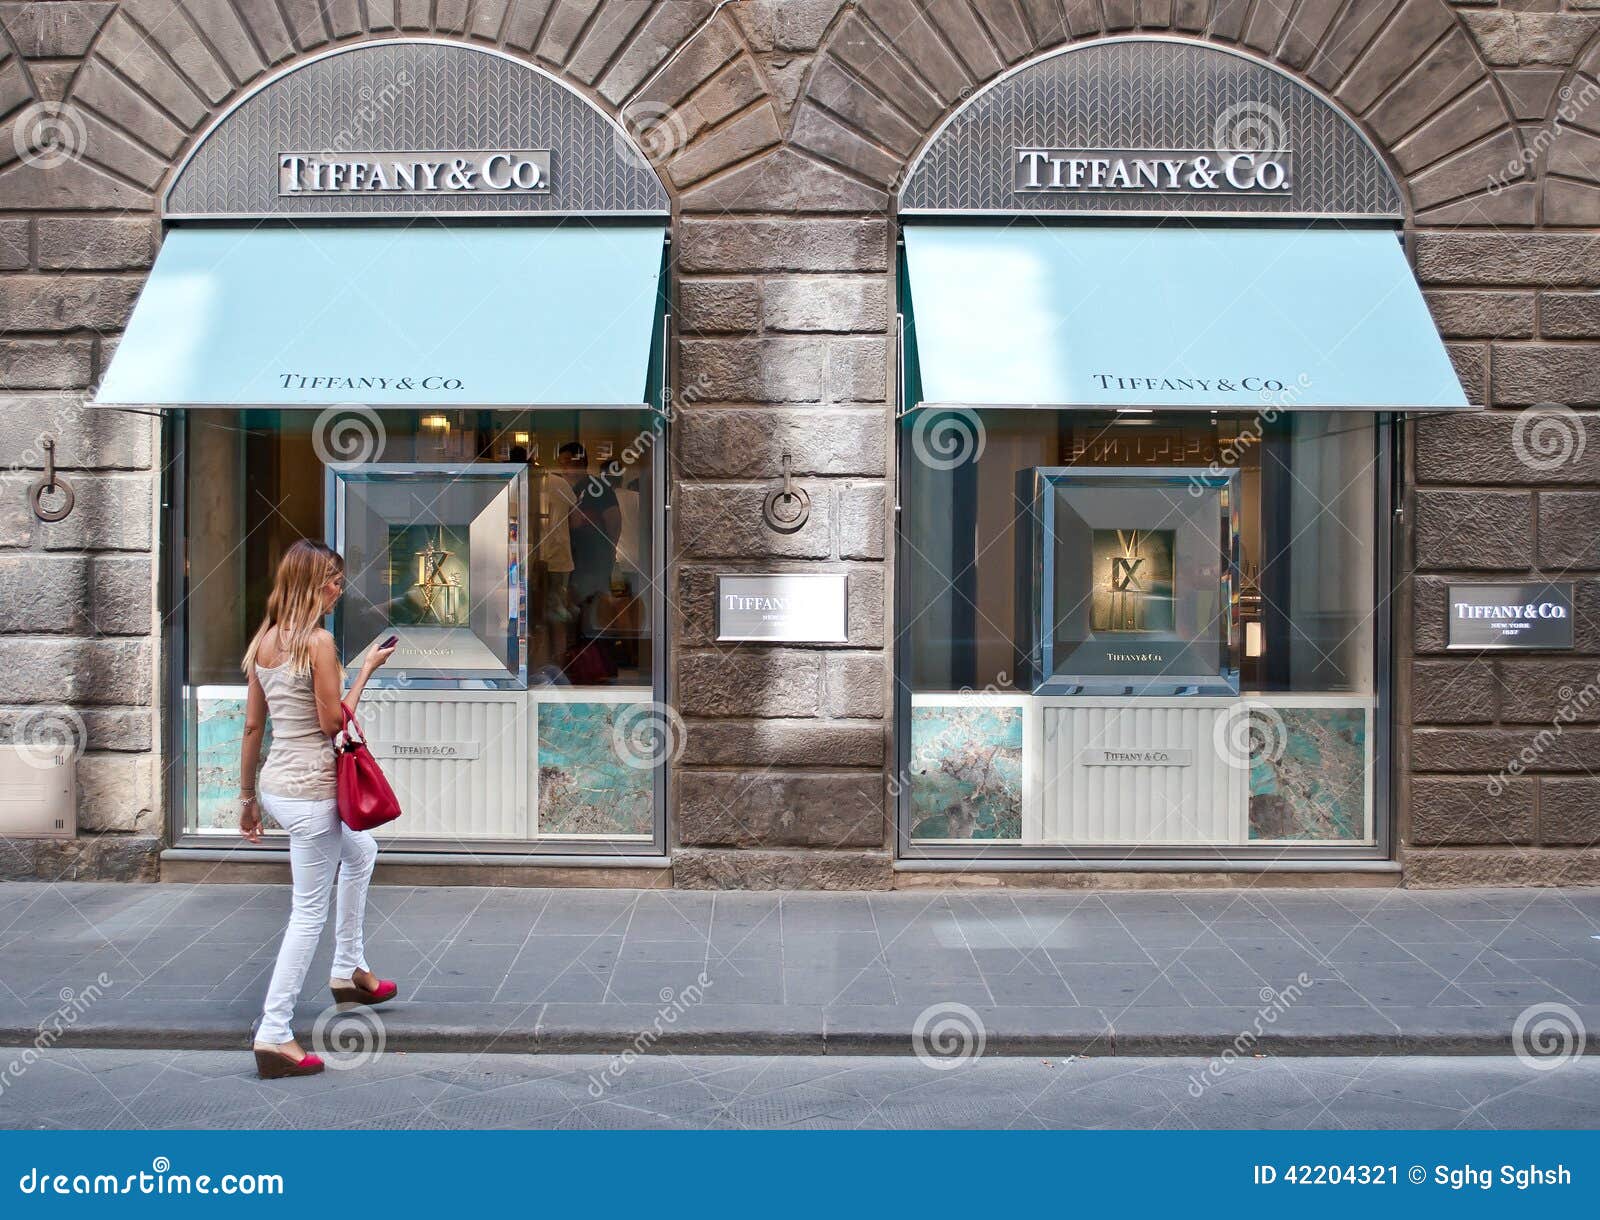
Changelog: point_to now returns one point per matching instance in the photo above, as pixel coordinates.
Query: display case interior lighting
(1255, 643)
(439, 423)
(519, 438)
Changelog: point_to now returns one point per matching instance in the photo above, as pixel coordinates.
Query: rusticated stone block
(1569, 811)
(1471, 364)
(665, 30)
(839, 303)
(1540, 691)
(117, 792)
(725, 520)
(1506, 752)
(46, 595)
(1517, 39)
(863, 520)
(1445, 69)
(45, 364)
(96, 243)
(744, 137)
(780, 808)
(86, 437)
(1474, 529)
(111, 513)
(1546, 372)
(1529, 91)
(122, 595)
(1482, 447)
(1569, 315)
(74, 672)
(1453, 692)
(1457, 868)
(718, 306)
(1525, 260)
(818, 132)
(1467, 811)
(763, 683)
(755, 370)
(54, 29)
(854, 684)
(858, 370)
(784, 180)
(67, 302)
(696, 597)
(784, 743)
(1569, 529)
(14, 244)
(699, 868)
(728, 443)
(1482, 315)
(784, 245)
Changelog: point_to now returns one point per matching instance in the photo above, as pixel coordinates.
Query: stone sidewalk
(1303, 972)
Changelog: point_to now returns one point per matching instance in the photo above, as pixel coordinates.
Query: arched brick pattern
(1406, 69)
(159, 71)
(1572, 164)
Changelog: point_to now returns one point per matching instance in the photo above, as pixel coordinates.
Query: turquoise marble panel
(218, 735)
(586, 783)
(966, 772)
(1316, 789)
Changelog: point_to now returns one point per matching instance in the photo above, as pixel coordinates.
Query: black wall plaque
(1511, 616)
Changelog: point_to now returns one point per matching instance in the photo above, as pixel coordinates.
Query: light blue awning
(1172, 316)
(421, 315)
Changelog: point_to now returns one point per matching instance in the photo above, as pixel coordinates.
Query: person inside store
(594, 527)
(295, 682)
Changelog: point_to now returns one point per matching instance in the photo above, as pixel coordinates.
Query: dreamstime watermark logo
(74, 1004)
(1249, 731)
(345, 436)
(947, 1035)
(1274, 1004)
(674, 1004)
(49, 134)
(1548, 436)
(1250, 127)
(944, 440)
(644, 735)
(1548, 1036)
(1574, 704)
(658, 132)
(49, 737)
(348, 1036)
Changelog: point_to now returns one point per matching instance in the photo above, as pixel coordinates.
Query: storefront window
(511, 552)
(1140, 630)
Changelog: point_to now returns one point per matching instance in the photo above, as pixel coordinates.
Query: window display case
(436, 556)
(1128, 581)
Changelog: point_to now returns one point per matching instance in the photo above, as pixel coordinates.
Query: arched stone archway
(1409, 73)
(679, 76)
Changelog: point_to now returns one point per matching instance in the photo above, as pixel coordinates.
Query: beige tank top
(300, 761)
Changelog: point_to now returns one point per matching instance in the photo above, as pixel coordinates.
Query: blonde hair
(295, 605)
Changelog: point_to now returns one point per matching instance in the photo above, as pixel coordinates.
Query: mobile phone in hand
(390, 642)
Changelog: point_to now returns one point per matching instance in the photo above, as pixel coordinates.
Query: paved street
(215, 1089)
(1028, 972)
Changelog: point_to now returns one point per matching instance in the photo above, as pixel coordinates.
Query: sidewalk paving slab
(1275, 972)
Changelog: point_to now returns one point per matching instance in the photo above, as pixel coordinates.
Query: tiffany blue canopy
(422, 315)
(1170, 316)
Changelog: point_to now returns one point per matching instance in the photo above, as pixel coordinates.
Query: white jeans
(319, 845)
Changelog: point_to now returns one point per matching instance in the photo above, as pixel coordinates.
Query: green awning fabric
(1144, 317)
(423, 315)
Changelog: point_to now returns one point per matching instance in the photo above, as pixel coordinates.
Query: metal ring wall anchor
(787, 508)
(51, 484)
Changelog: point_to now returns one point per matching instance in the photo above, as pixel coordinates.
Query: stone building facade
(782, 129)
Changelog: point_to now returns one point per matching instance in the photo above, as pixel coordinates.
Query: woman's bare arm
(327, 677)
(255, 723)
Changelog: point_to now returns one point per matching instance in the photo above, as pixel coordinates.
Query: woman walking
(295, 678)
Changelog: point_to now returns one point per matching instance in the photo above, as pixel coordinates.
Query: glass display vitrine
(1129, 578)
(435, 556)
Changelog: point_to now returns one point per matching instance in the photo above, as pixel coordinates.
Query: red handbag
(365, 798)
